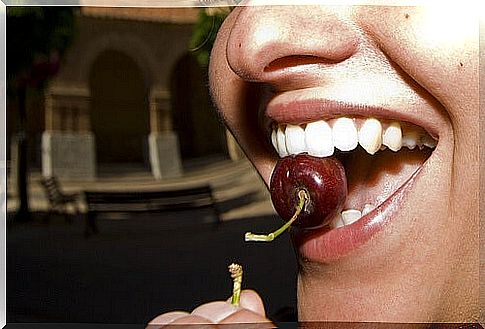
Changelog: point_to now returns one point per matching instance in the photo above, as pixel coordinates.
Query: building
(128, 93)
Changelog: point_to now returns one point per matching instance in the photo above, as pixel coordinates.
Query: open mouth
(380, 156)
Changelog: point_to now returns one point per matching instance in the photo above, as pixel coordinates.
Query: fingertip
(215, 311)
(252, 301)
(245, 316)
(198, 322)
(167, 318)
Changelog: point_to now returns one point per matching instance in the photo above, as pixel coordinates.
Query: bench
(147, 201)
(59, 201)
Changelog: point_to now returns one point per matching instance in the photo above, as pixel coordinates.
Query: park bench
(59, 201)
(147, 201)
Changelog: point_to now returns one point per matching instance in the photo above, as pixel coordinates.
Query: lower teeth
(350, 216)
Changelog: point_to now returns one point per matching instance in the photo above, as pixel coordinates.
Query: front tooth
(295, 139)
(410, 139)
(318, 137)
(280, 140)
(367, 209)
(370, 135)
(350, 216)
(274, 141)
(392, 137)
(344, 134)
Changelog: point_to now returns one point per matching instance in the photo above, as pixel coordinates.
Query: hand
(250, 310)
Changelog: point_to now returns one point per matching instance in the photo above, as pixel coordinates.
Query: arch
(119, 109)
(128, 44)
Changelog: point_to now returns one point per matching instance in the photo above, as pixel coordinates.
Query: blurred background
(115, 100)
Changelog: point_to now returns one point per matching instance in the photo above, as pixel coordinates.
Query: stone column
(68, 145)
(234, 150)
(163, 141)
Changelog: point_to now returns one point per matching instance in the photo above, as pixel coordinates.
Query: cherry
(322, 179)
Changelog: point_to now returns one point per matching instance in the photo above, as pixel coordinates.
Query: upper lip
(291, 108)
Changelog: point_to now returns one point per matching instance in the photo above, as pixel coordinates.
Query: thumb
(250, 300)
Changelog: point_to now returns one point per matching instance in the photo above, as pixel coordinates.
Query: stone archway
(119, 110)
(69, 145)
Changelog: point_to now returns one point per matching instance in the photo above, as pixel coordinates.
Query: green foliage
(34, 34)
(204, 33)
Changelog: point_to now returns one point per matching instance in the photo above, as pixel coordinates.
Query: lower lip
(327, 246)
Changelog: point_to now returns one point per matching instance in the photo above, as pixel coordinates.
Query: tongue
(373, 179)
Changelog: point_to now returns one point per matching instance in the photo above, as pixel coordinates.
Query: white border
(3, 166)
(218, 3)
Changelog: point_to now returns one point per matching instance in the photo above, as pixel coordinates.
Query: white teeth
(339, 222)
(318, 138)
(370, 135)
(367, 209)
(274, 141)
(295, 139)
(344, 134)
(350, 216)
(280, 140)
(410, 139)
(392, 137)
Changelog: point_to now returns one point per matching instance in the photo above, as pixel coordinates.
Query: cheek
(437, 47)
(236, 102)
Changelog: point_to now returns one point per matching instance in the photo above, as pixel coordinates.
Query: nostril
(296, 60)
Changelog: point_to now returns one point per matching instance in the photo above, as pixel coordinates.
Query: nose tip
(265, 41)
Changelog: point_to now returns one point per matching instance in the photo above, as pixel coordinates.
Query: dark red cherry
(324, 181)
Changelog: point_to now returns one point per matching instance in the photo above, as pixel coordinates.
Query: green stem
(303, 197)
(236, 275)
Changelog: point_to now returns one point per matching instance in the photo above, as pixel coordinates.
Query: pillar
(234, 150)
(163, 141)
(68, 144)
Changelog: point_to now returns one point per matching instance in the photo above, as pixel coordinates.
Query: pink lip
(298, 111)
(301, 106)
(326, 246)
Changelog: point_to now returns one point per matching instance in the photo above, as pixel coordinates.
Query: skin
(423, 267)
(249, 310)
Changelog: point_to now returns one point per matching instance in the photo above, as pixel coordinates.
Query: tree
(36, 39)
(205, 31)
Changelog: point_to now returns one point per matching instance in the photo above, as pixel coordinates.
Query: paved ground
(230, 181)
(138, 267)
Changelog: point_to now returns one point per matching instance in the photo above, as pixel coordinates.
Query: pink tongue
(323, 180)
(373, 179)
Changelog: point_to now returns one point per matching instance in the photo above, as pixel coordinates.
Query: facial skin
(413, 64)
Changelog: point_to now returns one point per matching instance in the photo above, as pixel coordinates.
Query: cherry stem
(303, 197)
(236, 275)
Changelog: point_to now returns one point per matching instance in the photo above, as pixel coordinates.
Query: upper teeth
(320, 138)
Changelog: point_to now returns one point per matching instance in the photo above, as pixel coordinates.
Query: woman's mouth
(383, 158)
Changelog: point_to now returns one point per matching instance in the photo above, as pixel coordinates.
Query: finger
(215, 311)
(251, 301)
(247, 316)
(198, 322)
(167, 317)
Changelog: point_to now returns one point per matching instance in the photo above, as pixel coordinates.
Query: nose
(267, 43)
